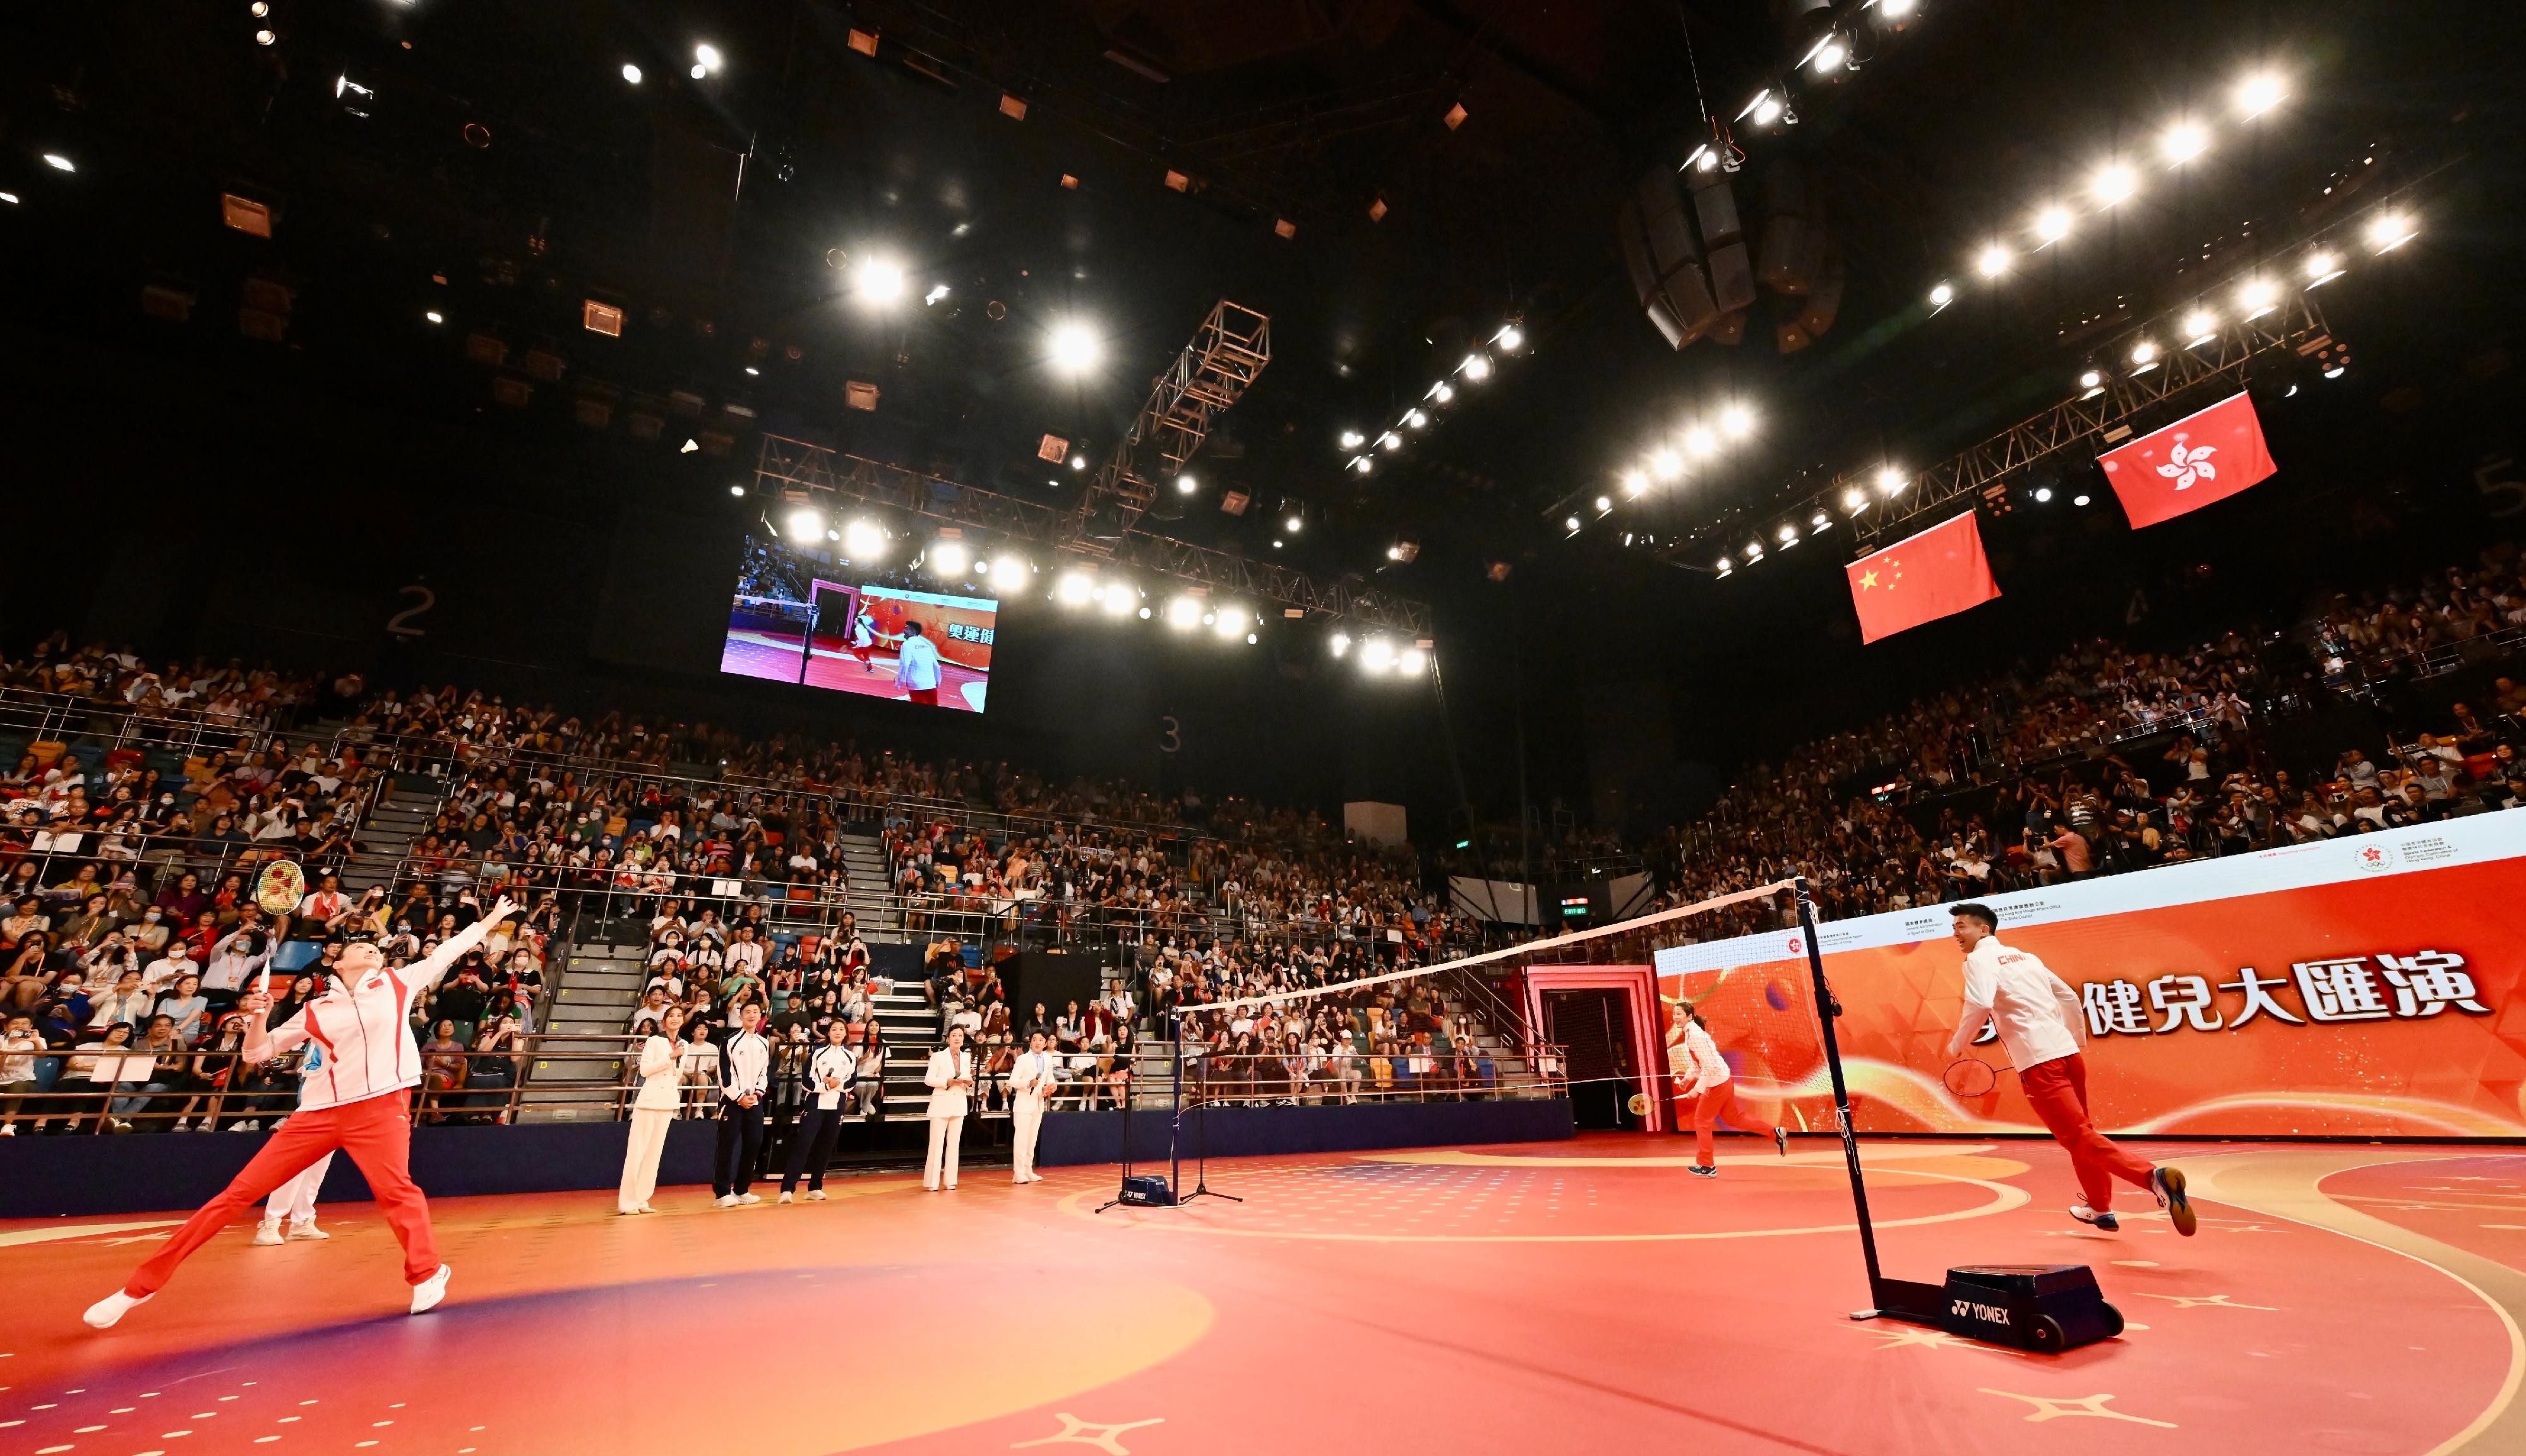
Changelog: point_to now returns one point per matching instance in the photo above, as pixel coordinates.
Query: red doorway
(1612, 1012)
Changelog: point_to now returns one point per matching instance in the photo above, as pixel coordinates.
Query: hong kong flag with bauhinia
(1921, 579)
(2203, 457)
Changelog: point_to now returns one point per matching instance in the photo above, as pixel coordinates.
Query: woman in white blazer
(950, 1078)
(661, 1088)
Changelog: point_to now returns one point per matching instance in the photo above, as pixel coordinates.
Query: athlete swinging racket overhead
(2042, 1026)
(360, 1102)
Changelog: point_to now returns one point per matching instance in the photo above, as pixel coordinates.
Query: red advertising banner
(2373, 989)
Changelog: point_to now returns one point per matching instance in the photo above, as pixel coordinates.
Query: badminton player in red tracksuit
(2042, 1026)
(1702, 1075)
(360, 1102)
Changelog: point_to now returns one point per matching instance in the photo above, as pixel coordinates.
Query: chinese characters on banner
(2342, 988)
(958, 631)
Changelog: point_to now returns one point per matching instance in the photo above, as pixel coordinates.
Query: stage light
(1252, 639)
(2093, 379)
(1753, 551)
(1390, 440)
(2322, 268)
(2257, 298)
(1942, 295)
(1364, 464)
(1766, 111)
(2112, 183)
(433, 314)
(863, 540)
(1895, 9)
(1341, 644)
(1376, 654)
(804, 523)
(1186, 484)
(1820, 521)
(1415, 419)
(1665, 464)
(2078, 500)
(1788, 536)
(1829, 55)
(1078, 463)
(937, 292)
(2182, 142)
(2144, 352)
(1508, 338)
(1605, 503)
(1231, 622)
(1890, 480)
(59, 163)
(1443, 391)
(1073, 348)
(1121, 599)
(1075, 588)
(259, 9)
(1296, 523)
(1570, 524)
(2388, 231)
(1477, 368)
(878, 281)
(1701, 441)
(1991, 262)
(947, 558)
(10, 198)
(2051, 224)
(1726, 566)
(265, 37)
(2199, 327)
(699, 70)
(1145, 614)
(1352, 440)
(2259, 93)
(2042, 494)
(1854, 500)
(707, 57)
(1411, 662)
(1184, 613)
(1703, 159)
(1738, 421)
(631, 72)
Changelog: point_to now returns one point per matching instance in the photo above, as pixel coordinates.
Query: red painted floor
(753, 654)
(1582, 1296)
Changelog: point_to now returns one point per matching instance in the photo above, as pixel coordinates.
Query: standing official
(1703, 1076)
(830, 1073)
(950, 1078)
(916, 665)
(653, 1110)
(2042, 1026)
(1031, 1084)
(360, 1102)
(746, 1079)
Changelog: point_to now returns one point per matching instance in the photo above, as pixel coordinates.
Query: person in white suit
(295, 1200)
(951, 1078)
(1031, 1087)
(652, 1110)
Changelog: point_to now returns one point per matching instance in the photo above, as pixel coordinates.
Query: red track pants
(376, 1131)
(929, 695)
(2059, 1089)
(1719, 1101)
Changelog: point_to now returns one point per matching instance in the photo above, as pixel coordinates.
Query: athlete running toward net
(1702, 1077)
(2043, 1028)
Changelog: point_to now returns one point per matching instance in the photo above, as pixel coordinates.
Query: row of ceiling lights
(1690, 447)
(1475, 367)
(1831, 54)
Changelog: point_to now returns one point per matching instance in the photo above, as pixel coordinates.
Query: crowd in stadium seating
(1378, 1039)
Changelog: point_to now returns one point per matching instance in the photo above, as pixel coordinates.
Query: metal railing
(67, 718)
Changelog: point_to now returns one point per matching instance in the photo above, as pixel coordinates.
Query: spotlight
(699, 70)
(1753, 551)
(1766, 111)
(631, 72)
(1508, 338)
(1820, 521)
(10, 198)
(1992, 261)
(1252, 639)
(1701, 441)
(1145, 614)
(1443, 391)
(1078, 463)
(1340, 642)
(1411, 662)
(1605, 503)
(1788, 536)
(1186, 484)
(259, 9)
(737, 490)
(1376, 654)
(863, 540)
(1665, 464)
(59, 163)
(1075, 588)
(1942, 295)
(1073, 348)
(1364, 465)
(1477, 368)
(2199, 327)
(2078, 500)
(2112, 183)
(1121, 599)
(2259, 93)
(2144, 352)
(1703, 159)
(436, 316)
(1830, 53)
(1635, 482)
(265, 37)
(2322, 268)
(1890, 480)
(2182, 142)
(2257, 298)
(1231, 622)
(1390, 440)
(1738, 421)
(2051, 224)
(1854, 500)
(1895, 9)
(707, 57)
(1415, 419)
(1570, 524)
(937, 292)
(878, 279)
(2092, 379)
(1726, 566)
(1294, 524)
(1352, 440)
(804, 523)
(2388, 231)
(947, 558)
(1184, 613)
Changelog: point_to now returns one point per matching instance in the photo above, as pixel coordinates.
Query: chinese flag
(1921, 579)
(2203, 457)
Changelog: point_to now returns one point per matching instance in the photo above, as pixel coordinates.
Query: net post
(1826, 1010)
(1175, 1101)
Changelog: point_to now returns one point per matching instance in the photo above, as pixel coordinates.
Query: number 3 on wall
(1173, 738)
(401, 624)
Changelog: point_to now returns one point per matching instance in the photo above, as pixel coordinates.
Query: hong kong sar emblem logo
(2375, 856)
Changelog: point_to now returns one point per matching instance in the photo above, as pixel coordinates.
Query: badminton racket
(1970, 1077)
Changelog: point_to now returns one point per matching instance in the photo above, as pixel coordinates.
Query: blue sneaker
(2105, 1221)
(2168, 1184)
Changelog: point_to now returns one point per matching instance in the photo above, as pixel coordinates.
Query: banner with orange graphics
(2362, 986)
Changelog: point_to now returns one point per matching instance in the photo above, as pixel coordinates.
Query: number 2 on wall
(401, 624)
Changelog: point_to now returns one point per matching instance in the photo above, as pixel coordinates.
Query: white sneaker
(786, 1198)
(749, 1198)
(184, 1124)
(103, 1314)
(267, 1233)
(815, 1195)
(728, 1201)
(644, 1208)
(1034, 1178)
(427, 1294)
(306, 1228)
(8, 1130)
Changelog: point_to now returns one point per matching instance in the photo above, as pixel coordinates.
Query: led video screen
(807, 618)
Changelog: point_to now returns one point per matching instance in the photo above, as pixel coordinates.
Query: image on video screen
(803, 616)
